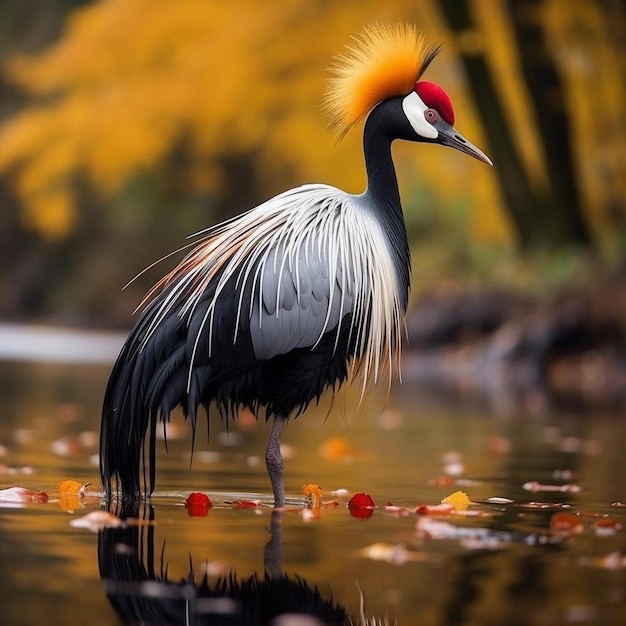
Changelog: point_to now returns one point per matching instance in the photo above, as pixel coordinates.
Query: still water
(507, 561)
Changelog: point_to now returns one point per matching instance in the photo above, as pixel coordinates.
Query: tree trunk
(541, 218)
(566, 220)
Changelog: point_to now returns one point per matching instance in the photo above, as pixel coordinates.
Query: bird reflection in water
(136, 582)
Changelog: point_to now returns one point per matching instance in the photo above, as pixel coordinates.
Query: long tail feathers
(123, 429)
(146, 383)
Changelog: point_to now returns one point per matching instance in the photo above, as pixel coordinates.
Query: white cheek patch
(414, 108)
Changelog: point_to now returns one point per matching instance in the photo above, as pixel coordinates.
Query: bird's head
(430, 113)
(384, 64)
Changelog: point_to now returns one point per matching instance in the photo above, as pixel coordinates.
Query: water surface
(503, 565)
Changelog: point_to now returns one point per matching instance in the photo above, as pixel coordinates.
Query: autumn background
(127, 125)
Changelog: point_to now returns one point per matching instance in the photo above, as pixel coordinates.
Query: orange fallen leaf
(313, 494)
(72, 494)
(69, 487)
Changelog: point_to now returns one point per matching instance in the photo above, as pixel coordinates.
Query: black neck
(382, 184)
(382, 192)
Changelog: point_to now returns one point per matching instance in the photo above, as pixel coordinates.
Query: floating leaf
(458, 500)
(69, 487)
(72, 494)
(21, 495)
(313, 495)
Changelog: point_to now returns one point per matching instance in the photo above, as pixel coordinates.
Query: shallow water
(501, 565)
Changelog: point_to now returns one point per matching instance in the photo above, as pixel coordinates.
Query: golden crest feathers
(383, 61)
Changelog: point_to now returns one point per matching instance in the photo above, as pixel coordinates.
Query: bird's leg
(274, 462)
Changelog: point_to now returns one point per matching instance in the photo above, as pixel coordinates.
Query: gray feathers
(294, 304)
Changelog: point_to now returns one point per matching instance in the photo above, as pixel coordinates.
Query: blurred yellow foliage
(130, 80)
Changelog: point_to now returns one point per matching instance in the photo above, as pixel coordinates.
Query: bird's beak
(449, 136)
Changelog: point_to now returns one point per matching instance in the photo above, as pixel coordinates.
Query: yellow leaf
(458, 500)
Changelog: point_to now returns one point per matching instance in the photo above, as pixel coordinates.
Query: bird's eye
(431, 115)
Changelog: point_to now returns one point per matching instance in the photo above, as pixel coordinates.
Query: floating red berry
(361, 505)
(198, 504)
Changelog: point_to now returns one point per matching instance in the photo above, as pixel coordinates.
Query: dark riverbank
(569, 347)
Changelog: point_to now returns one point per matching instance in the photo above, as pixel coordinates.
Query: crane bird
(293, 297)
